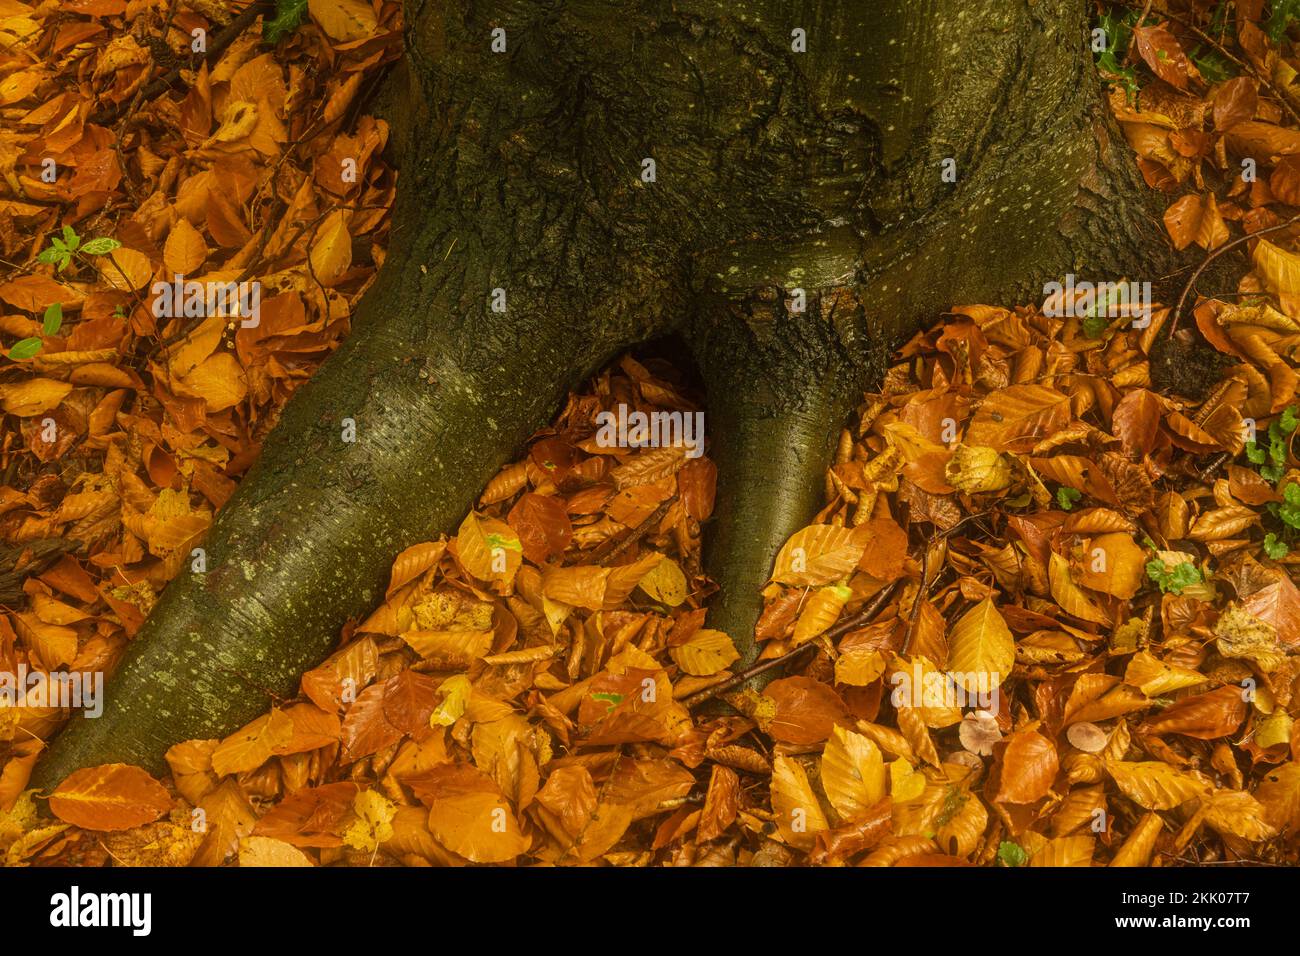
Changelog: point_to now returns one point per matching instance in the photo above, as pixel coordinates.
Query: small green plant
(288, 17)
(53, 321)
(63, 248)
(1213, 67)
(1275, 548)
(1012, 854)
(1282, 13)
(1118, 28)
(1289, 509)
(1272, 460)
(1066, 497)
(1174, 579)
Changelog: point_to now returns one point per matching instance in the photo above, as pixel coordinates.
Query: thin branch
(1226, 247)
(861, 618)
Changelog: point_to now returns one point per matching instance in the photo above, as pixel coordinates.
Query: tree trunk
(778, 177)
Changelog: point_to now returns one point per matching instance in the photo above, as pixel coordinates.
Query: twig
(613, 547)
(1226, 247)
(1132, 40)
(1214, 465)
(864, 616)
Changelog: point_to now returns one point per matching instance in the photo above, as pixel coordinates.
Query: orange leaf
(1029, 766)
(185, 250)
(253, 745)
(114, 796)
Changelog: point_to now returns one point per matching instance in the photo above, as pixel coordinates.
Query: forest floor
(1015, 501)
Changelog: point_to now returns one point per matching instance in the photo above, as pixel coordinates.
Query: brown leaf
(721, 804)
(543, 526)
(1028, 767)
(804, 710)
(1204, 716)
(1162, 52)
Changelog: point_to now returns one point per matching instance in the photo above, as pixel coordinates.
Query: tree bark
(524, 171)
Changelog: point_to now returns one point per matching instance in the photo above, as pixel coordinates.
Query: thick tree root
(780, 385)
(388, 444)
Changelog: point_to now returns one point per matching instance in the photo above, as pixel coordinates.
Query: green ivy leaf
(1289, 510)
(1066, 497)
(288, 17)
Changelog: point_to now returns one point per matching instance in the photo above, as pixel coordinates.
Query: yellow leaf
(1115, 565)
(1017, 417)
(1238, 813)
(238, 121)
(665, 583)
(852, 772)
(374, 822)
(450, 648)
(126, 269)
(1069, 595)
(219, 380)
(1240, 634)
(1279, 269)
(1155, 678)
(1274, 729)
(413, 562)
(33, 396)
(819, 554)
(344, 20)
(975, 468)
(187, 354)
(905, 783)
(594, 588)
(706, 653)
(489, 549)
(981, 650)
(1065, 851)
(798, 815)
(1154, 785)
(455, 691)
(820, 612)
(254, 745)
(859, 666)
(265, 851)
(331, 252)
(469, 816)
(1137, 849)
